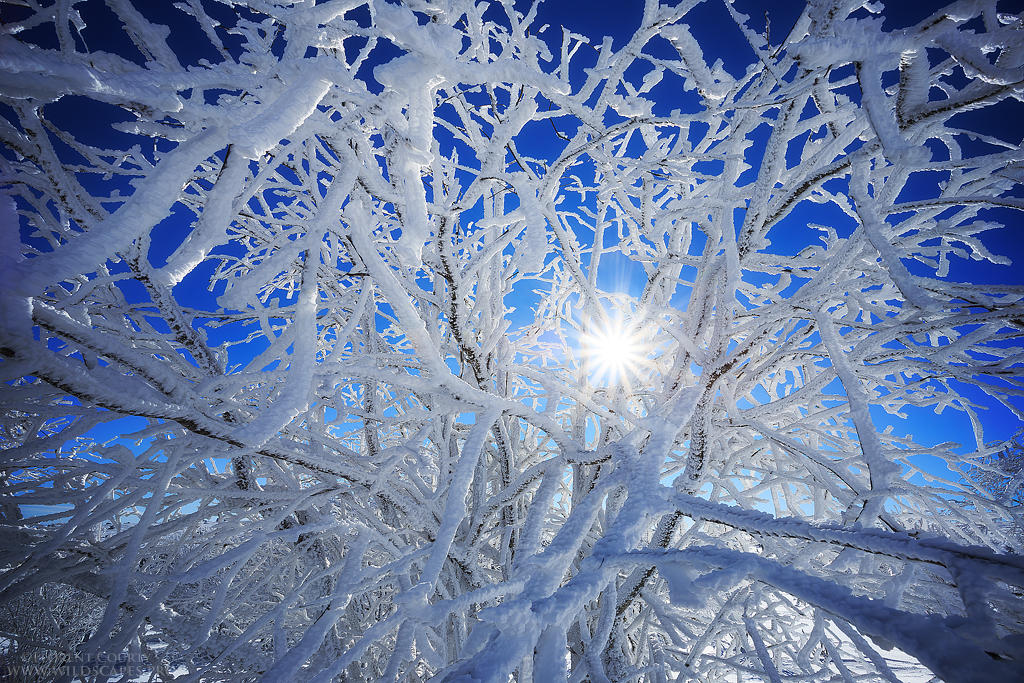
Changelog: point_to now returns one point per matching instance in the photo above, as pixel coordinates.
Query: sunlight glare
(614, 352)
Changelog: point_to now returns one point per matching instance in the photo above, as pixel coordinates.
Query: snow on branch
(435, 341)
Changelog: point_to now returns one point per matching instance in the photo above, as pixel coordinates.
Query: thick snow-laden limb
(349, 459)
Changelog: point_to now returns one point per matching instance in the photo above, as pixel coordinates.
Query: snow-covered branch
(313, 368)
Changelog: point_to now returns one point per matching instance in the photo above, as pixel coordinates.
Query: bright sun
(614, 352)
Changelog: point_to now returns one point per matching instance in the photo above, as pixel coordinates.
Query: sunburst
(613, 352)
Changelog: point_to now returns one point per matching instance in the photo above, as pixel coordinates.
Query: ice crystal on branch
(302, 304)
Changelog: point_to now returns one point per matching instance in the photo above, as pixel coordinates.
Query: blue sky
(721, 40)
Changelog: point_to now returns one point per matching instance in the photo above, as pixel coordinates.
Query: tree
(268, 400)
(1002, 474)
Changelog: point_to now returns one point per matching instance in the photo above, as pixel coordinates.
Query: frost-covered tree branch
(268, 410)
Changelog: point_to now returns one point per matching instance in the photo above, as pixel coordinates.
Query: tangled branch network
(434, 341)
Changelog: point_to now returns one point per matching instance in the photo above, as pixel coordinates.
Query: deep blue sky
(720, 39)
